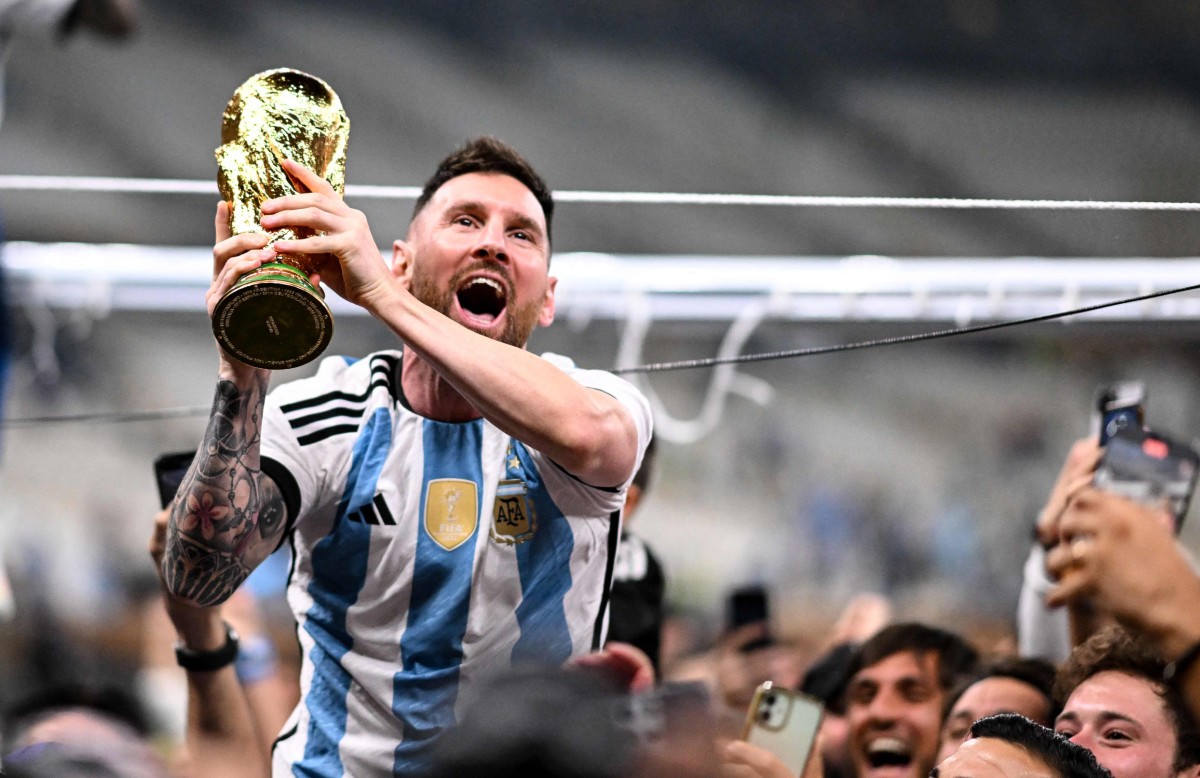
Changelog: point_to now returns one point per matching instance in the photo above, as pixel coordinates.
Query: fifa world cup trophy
(274, 317)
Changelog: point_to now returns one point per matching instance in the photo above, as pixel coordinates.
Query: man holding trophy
(453, 506)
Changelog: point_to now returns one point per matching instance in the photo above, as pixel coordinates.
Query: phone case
(1148, 467)
(783, 722)
(169, 470)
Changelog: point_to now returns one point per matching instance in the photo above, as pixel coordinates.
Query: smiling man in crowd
(1118, 706)
(899, 681)
(1008, 685)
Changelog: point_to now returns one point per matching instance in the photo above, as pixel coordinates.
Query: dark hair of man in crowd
(1116, 650)
(110, 702)
(546, 722)
(488, 155)
(1038, 673)
(827, 676)
(1067, 759)
(956, 658)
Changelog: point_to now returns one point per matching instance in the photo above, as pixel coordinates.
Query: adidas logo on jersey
(375, 513)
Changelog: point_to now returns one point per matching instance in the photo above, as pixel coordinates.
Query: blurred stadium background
(915, 471)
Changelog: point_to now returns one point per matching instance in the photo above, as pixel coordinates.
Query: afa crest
(513, 517)
(451, 511)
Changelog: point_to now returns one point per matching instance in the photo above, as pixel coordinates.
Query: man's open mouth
(888, 752)
(483, 298)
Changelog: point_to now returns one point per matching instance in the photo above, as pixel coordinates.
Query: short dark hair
(1119, 651)
(827, 676)
(956, 657)
(488, 155)
(540, 721)
(109, 702)
(1038, 673)
(1068, 759)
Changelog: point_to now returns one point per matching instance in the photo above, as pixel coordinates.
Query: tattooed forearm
(197, 573)
(227, 516)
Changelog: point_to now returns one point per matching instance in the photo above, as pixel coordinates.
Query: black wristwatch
(207, 661)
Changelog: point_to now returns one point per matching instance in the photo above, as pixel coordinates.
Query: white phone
(785, 723)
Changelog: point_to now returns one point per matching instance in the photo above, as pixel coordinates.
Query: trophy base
(273, 318)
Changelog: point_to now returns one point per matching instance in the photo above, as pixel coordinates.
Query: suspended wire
(369, 191)
(656, 367)
(688, 364)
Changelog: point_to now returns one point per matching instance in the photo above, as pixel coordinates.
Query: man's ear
(401, 261)
(547, 314)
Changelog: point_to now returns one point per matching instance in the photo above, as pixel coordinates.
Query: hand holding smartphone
(750, 605)
(785, 723)
(1149, 468)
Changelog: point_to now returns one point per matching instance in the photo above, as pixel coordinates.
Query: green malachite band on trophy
(273, 318)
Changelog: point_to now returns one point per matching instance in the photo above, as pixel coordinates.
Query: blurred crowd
(1108, 615)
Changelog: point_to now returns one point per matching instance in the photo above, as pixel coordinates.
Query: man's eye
(521, 235)
(1066, 732)
(861, 695)
(465, 221)
(1118, 735)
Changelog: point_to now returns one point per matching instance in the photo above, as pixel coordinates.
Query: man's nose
(1084, 738)
(883, 708)
(491, 244)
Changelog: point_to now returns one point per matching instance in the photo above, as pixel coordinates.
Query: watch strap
(207, 661)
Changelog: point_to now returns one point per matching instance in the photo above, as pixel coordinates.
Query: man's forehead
(1115, 694)
(490, 188)
(902, 663)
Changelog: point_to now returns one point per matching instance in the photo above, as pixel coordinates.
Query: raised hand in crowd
(625, 665)
(1042, 631)
(740, 759)
(221, 738)
(1124, 557)
(1076, 473)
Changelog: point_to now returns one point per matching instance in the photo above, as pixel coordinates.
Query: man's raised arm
(228, 515)
(587, 432)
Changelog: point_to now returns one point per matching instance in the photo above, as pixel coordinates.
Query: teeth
(487, 282)
(887, 744)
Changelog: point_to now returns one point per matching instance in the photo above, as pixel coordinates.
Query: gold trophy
(274, 317)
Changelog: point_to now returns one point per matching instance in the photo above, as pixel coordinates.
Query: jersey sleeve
(602, 497)
(305, 470)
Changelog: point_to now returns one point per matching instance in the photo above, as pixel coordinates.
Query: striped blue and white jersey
(426, 556)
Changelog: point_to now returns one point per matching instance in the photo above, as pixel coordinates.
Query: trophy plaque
(274, 317)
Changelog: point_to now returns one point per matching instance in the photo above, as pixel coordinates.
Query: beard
(519, 318)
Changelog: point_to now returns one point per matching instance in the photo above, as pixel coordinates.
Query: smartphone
(1118, 406)
(169, 470)
(1149, 468)
(669, 713)
(750, 605)
(785, 723)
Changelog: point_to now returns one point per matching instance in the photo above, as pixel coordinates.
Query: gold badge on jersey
(451, 511)
(513, 516)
